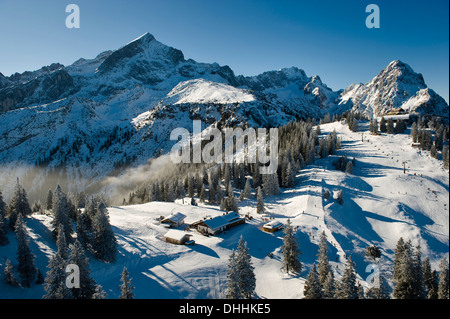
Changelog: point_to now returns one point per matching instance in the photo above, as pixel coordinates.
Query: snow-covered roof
(222, 220)
(273, 224)
(174, 217)
(396, 117)
(176, 234)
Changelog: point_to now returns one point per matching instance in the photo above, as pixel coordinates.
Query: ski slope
(381, 204)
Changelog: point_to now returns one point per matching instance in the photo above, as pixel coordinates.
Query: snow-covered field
(381, 204)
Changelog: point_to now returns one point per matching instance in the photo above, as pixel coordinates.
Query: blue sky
(328, 38)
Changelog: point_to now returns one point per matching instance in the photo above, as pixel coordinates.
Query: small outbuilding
(174, 220)
(177, 237)
(273, 226)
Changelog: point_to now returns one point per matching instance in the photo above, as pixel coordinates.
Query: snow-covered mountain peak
(200, 91)
(144, 52)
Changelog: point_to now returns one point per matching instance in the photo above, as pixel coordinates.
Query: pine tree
(259, 201)
(443, 288)
(445, 156)
(3, 231)
(390, 127)
(313, 289)
(403, 271)
(61, 214)
(25, 258)
(55, 279)
(87, 284)
(99, 293)
(290, 176)
(203, 194)
(430, 280)
(61, 243)
(19, 205)
(104, 242)
(347, 287)
(3, 223)
(233, 290)
(383, 127)
(414, 132)
(126, 288)
(8, 274)
(418, 282)
(329, 286)
(247, 189)
(322, 257)
(49, 199)
(380, 291)
(291, 251)
(245, 269)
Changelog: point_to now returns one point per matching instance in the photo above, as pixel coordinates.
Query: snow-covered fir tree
(61, 214)
(8, 274)
(88, 286)
(329, 286)
(19, 205)
(443, 288)
(245, 269)
(126, 288)
(313, 288)
(104, 242)
(347, 288)
(430, 279)
(324, 267)
(233, 290)
(247, 189)
(259, 201)
(379, 289)
(403, 276)
(291, 251)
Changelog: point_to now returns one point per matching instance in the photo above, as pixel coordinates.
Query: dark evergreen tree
(322, 257)
(390, 126)
(61, 214)
(414, 132)
(8, 274)
(25, 258)
(19, 205)
(259, 201)
(49, 199)
(104, 243)
(383, 126)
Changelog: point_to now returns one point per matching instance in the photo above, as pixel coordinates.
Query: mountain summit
(100, 115)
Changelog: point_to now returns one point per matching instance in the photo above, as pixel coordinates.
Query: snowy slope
(381, 204)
